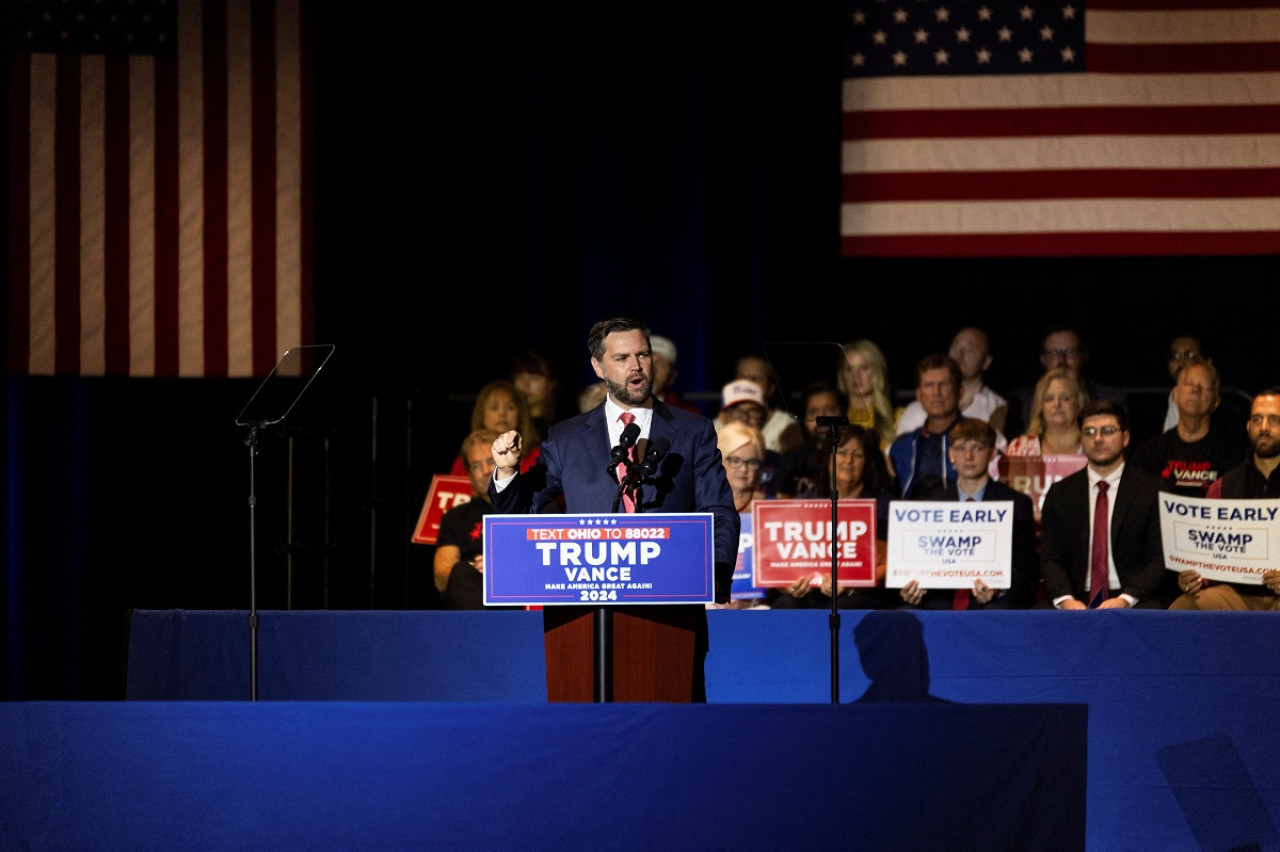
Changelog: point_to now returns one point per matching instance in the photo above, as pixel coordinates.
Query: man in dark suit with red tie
(1100, 544)
(575, 463)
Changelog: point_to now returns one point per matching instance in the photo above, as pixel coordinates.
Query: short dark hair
(531, 362)
(1099, 407)
(821, 386)
(938, 361)
(612, 325)
(1064, 329)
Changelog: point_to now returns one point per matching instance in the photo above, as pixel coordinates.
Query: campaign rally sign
(445, 493)
(595, 559)
(744, 587)
(1232, 540)
(792, 539)
(948, 545)
(1032, 475)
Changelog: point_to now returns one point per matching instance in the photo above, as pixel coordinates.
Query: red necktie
(1098, 580)
(628, 499)
(961, 599)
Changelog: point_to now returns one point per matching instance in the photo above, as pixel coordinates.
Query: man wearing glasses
(1100, 542)
(1060, 347)
(1182, 351)
(1257, 479)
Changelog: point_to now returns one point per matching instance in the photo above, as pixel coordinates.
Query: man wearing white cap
(742, 401)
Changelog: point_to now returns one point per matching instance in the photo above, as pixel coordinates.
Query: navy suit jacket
(574, 463)
(1135, 540)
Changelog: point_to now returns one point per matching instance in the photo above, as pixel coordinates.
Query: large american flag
(992, 128)
(160, 177)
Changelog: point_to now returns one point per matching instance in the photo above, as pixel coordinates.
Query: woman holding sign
(860, 474)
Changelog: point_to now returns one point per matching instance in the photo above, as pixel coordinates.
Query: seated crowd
(1086, 530)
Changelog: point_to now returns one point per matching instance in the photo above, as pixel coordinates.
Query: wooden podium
(623, 598)
(655, 653)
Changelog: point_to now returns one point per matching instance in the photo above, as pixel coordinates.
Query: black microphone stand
(251, 441)
(269, 405)
(602, 645)
(801, 364)
(834, 424)
(622, 486)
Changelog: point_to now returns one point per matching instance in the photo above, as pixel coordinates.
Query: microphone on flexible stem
(630, 434)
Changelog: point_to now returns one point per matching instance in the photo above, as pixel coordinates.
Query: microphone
(652, 458)
(630, 434)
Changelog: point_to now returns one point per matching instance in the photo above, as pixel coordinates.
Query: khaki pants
(1225, 597)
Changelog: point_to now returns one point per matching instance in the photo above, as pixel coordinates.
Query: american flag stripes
(1107, 127)
(160, 178)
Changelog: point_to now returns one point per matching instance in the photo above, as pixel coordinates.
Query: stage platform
(1179, 753)
(407, 775)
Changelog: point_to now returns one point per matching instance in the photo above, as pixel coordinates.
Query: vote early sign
(948, 545)
(1231, 540)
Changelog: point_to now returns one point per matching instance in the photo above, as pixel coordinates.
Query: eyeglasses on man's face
(1095, 431)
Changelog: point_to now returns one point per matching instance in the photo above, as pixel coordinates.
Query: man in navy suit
(1134, 553)
(574, 465)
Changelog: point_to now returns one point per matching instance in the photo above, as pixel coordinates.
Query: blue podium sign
(593, 559)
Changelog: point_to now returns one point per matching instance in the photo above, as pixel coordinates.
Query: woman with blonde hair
(500, 408)
(742, 452)
(864, 377)
(1054, 426)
